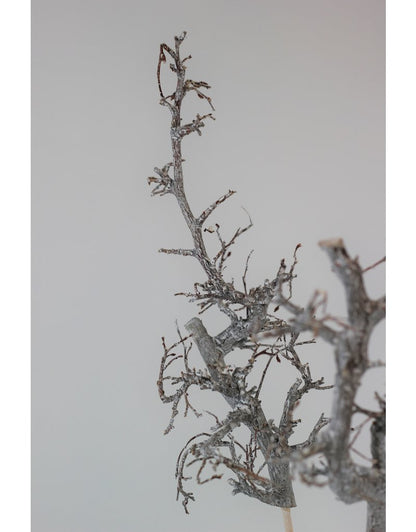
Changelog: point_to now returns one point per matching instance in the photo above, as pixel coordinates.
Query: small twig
(222, 255)
(204, 215)
(245, 271)
(374, 265)
(184, 252)
(358, 430)
(263, 376)
(198, 475)
(292, 269)
(362, 455)
(214, 416)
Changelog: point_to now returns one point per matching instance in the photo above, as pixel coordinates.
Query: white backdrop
(299, 94)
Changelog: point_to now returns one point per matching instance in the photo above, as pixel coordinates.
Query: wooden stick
(287, 520)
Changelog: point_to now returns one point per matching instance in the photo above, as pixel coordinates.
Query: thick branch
(234, 392)
(349, 481)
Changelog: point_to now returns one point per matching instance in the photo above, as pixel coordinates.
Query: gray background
(299, 92)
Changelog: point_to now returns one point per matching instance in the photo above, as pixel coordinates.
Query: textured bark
(350, 482)
(278, 466)
(376, 511)
(376, 517)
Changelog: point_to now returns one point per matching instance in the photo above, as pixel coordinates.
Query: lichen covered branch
(261, 467)
(349, 481)
(247, 310)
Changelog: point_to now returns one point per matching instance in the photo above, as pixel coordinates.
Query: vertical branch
(349, 481)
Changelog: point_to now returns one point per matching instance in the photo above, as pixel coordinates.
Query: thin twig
(374, 265)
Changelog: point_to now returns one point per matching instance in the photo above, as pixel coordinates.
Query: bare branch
(195, 86)
(250, 326)
(308, 444)
(374, 265)
(194, 126)
(245, 271)
(204, 215)
(184, 252)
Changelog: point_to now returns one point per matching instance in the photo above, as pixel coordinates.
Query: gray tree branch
(250, 319)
